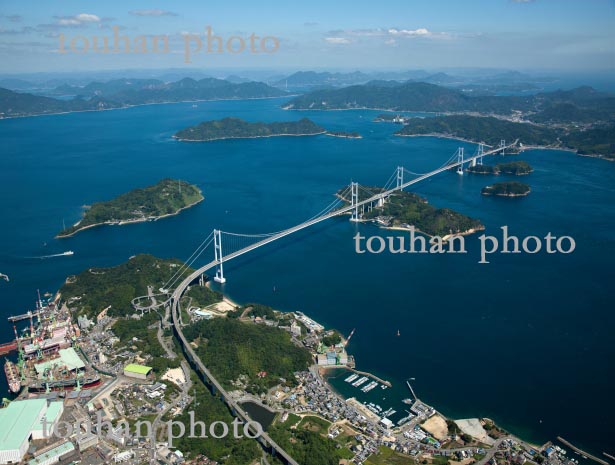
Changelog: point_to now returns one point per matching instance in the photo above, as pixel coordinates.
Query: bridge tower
(354, 188)
(502, 145)
(460, 161)
(219, 278)
(400, 176)
(481, 150)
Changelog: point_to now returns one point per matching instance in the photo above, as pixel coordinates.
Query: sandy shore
(125, 222)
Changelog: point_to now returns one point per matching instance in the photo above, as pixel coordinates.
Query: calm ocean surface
(525, 340)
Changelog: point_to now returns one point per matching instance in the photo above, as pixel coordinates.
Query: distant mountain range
(304, 80)
(121, 93)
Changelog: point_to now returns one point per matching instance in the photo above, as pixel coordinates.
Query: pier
(582, 452)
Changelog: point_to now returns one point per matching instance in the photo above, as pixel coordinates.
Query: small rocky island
(236, 128)
(405, 209)
(516, 168)
(167, 197)
(507, 189)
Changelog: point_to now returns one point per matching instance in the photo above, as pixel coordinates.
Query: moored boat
(12, 376)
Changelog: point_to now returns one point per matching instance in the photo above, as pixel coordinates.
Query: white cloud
(87, 18)
(387, 34)
(410, 32)
(153, 12)
(337, 40)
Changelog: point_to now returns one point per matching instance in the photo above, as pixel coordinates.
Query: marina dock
(369, 375)
(582, 452)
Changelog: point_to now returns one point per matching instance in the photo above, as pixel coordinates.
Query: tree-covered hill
(167, 197)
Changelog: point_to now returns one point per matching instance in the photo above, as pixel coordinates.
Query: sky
(69, 35)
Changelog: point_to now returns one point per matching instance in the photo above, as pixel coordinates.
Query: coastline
(179, 139)
(445, 238)
(129, 221)
(438, 135)
(343, 136)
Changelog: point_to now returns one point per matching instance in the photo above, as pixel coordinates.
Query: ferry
(351, 378)
(12, 376)
(68, 252)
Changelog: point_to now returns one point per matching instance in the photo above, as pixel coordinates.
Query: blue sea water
(525, 340)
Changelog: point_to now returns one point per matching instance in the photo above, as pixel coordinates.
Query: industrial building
(133, 370)
(53, 455)
(22, 421)
(68, 358)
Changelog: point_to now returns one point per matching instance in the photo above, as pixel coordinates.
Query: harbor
(47, 351)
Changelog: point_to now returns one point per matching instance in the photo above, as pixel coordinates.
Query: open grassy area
(389, 457)
(314, 424)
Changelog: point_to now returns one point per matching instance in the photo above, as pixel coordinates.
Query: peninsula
(404, 209)
(579, 119)
(167, 197)
(235, 128)
(507, 189)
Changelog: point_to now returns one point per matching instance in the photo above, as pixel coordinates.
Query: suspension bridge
(395, 183)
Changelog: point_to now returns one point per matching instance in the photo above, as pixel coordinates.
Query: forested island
(507, 189)
(235, 128)
(404, 209)
(167, 197)
(516, 168)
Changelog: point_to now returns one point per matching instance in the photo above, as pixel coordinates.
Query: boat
(81, 382)
(408, 401)
(370, 386)
(4, 276)
(398, 334)
(12, 376)
(68, 252)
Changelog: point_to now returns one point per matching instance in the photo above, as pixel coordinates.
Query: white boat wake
(63, 254)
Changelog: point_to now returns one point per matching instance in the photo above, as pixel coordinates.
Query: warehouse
(133, 370)
(21, 422)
